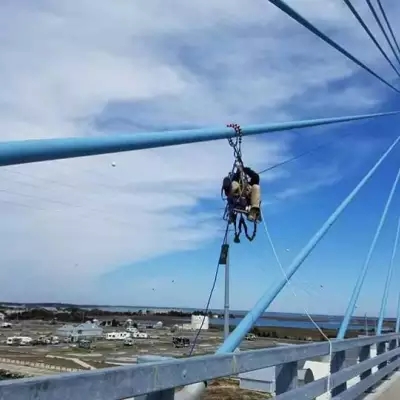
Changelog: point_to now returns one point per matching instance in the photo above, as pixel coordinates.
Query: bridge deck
(389, 390)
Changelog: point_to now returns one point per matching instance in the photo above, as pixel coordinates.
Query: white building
(87, 330)
(19, 340)
(118, 335)
(140, 335)
(2, 316)
(197, 322)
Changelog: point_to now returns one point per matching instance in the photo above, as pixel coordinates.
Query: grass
(228, 389)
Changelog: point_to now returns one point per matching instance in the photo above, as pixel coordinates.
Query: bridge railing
(158, 380)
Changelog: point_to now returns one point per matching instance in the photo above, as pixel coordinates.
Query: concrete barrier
(37, 365)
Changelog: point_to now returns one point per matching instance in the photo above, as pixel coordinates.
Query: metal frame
(156, 379)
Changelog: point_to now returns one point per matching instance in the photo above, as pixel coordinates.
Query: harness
(237, 204)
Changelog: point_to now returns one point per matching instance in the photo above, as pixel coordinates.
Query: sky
(148, 231)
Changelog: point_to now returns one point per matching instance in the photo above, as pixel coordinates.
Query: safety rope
(207, 308)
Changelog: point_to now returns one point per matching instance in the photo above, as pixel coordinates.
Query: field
(67, 357)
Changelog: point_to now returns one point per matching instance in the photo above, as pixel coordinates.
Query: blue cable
(388, 281)
(363, 272)
(301, 20)
(378, 21)
(370, 34)
(388, 24)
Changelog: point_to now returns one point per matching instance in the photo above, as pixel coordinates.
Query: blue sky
(148, 231)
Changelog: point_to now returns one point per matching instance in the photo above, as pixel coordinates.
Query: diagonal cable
(378, 21)
(361, 277)
(301, 20)
(388, 25)
(370, 34)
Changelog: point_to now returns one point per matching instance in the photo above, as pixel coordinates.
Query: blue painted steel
(138, 380)
(301, 20)
(388, 25)
(370, 34)
(252, 316)
(398, 316)
(363, 272)
(28, 151)
(388, 281)
(371, 7)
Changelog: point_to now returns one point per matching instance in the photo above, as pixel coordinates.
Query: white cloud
(64, 66)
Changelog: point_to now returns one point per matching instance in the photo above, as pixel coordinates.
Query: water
(269, 319)
(287, 323)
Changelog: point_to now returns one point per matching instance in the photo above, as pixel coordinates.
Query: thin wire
(304, 153)
(289, 283)
(370, 34)
(388, 24)
(205, 312)
(378, 21)
(301, 20)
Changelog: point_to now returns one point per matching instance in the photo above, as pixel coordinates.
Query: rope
(301, 20)
(378, 21)
(304, 153)
(370, 34)
(289, 283)
(224, 241)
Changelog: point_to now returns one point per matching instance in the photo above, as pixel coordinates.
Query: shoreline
(175, 317)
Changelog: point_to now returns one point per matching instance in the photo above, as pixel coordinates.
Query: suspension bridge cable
(269, 296)
(370, 34)
(301, 20)
(388, 25)
(378, 21)
(205, 312)
(303, 154)
(363, 272)
(388, 281)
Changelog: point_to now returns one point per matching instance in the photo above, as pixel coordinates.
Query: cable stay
(308, 25)
(378, 21)
(370, 34)
(388, 25)
(242, 192)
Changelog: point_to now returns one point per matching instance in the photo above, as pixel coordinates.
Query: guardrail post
(380, 349)
(337, 363)
(285, 377)
(392, 346)
(365, 354)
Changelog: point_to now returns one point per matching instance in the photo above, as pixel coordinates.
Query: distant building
(83, 331)
(199, 322)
